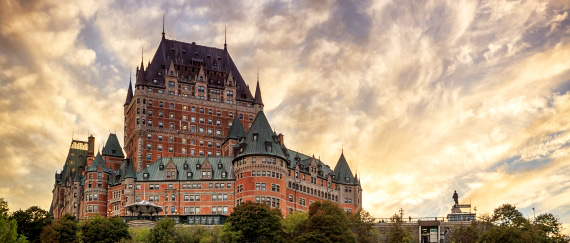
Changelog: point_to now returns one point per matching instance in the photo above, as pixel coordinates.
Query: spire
(257, 99)
(225, 38)
(129, 93)
(163, 37)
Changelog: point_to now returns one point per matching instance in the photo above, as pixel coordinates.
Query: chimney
(91, 146)
(280, 137)
(90, 150)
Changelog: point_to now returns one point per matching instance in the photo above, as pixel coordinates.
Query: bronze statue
(456, 198)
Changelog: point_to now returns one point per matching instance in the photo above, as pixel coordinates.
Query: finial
(163, 26)
(258, 74)
(342, 148)
(142, 55)
(225, 35)
(130, 74)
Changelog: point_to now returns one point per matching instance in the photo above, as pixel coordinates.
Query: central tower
(183, 103)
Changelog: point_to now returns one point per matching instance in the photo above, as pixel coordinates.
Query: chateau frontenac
(197, 143)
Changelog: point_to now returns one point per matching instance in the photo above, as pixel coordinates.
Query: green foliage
(163, 231)
(293, 224)
(396, 234)
(327, 223)
(140, 234)
(99, 229)
(31, 222)
(362, 225)
(228, 235)
(507, 224)
(66, 230)
(465, 234)
(549, 224)
(195, 234)
(507, 215)
(8, 226)
(8, 231)
(4, 208)
(255, 222)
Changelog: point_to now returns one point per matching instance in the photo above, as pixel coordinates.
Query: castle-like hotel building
(197, 142)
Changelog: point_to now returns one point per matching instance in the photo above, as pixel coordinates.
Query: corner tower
(260, 166)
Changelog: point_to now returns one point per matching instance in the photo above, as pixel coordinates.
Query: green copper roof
(98, 162)
(156, 174)
(260, 139)
(236, 131)
(342, 172)
(130, 170)
(113, 147)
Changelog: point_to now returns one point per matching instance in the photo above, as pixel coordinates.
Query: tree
(163, 231)
(396, 234)
(8, 227)
(507, 215)
(64, 230)
(549, 224)
(361, 224)
(4, 208)
(99, 229)
(293, 224)
(8, 231)
(465, 234)
(327, 223)
(31, 222)
(255, 222)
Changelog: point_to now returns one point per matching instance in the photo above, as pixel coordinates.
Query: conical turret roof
(257, 99)
(236, 131)
(129, 94)
(98, 162)
(342, 171)
(260, 139)
(113, 147)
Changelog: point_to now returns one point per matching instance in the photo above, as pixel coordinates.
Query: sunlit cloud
(425, 97)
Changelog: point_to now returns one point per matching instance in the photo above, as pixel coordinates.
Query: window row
(219, 197)
(267, 173)
(269, 201)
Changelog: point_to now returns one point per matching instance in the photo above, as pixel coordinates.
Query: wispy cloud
(427, 97)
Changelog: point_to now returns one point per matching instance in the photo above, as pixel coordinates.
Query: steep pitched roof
(98, 162)
(129, 94)
(260, 139)
(130, 170)
(190, 54)
(342, 172)
(113, 147)
(237, 130)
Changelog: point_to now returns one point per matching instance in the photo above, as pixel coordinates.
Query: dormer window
(161, 167)
(145, 175)
(320, 173)
(347, 179)
(220, 166)
(171, 73)
(159, 74)
(268, 147)
(198, 166)
(224, 174)
(185, 166)
(189, 174)
(255, 135)
(155, 81)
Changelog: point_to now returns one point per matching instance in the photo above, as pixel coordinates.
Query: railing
(201, 219)
(411, 220)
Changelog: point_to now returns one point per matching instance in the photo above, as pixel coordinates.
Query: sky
(425, 97)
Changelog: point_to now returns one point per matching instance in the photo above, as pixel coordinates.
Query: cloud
(425, 97)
